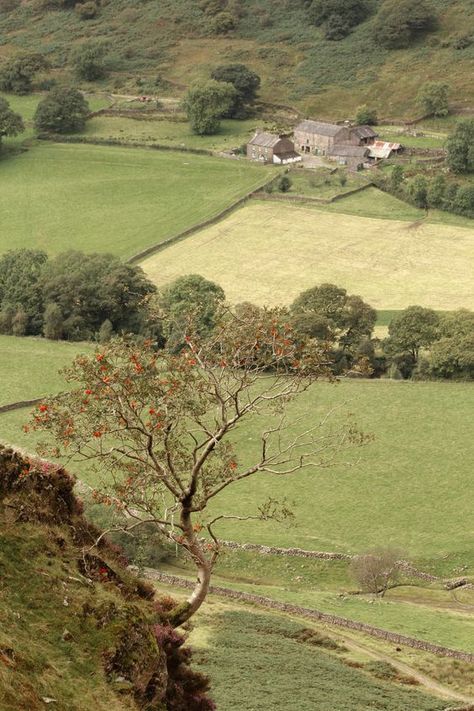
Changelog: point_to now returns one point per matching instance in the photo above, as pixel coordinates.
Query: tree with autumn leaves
(158, 426)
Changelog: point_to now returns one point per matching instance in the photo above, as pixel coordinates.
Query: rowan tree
(159, 428)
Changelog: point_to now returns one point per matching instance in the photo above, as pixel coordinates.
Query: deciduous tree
(206, 103)
(63, 110)
(11, 123)
(189, 297)
(433, 98)
(245, 82)
(160, 428)
(377, 570)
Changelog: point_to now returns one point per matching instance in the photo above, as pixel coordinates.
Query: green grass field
(121, 200)
(232, 133)
(267, 253)
(26, 107)
(30, 366)
(410, 488)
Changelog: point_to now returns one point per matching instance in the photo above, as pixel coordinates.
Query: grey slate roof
(364, 132)
(266, 140)
(318, 127)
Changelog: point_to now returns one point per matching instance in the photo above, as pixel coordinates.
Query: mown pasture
(26, 107)
(411, 487)
(269, 252)
(232, 133)
(30, 366)
(106, 199)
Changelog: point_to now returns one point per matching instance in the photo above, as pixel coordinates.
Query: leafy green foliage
(413, 329)
(63, 110)
(89, 61)
(245, 82)
(433, 98)
(460, 147)
(11, 123)
(72, 295)
(16, 74)
(189, 297)
(366, 116)
(284, 184)
(327, 312)
(20, 271)
(417, 191)
(338, 16)
(399, 22)
(206, 103)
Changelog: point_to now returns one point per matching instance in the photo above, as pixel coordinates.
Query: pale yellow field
(268, 253)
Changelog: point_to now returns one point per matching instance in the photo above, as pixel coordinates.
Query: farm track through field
(405, 669)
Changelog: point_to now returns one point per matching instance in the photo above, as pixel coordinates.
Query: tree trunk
(181, 614)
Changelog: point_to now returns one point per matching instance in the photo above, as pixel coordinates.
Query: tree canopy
(416, 327)
(11, 123)
(85, 289)
(328, 313)
(433, 98)
(189, 297)
(63, 110)
(460, 147)
(338, 16)
(399, 22)
(17, 74)
(245, 82)
(206, 103)
(159, 427)
(89, 60)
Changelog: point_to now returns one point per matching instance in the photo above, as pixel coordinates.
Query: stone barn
(271, 148)
(318, 137)
(353, 157)
(363, 135)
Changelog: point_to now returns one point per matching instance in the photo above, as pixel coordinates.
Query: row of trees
(77, 296)
(424, 192)
(63, 110)
(73, 296)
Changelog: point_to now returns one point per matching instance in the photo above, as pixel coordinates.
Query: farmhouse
(318, 137)
(271, 148)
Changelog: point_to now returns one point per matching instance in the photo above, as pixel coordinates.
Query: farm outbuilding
(318, 137)
(383, 149)
(354, 157)
(363, 135)
(272, 148)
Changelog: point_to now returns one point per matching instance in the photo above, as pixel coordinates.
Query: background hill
(162, 47)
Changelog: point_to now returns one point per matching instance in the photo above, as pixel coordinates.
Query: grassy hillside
(77, 629)
(164, 46)
(119, 200)
(267, 253)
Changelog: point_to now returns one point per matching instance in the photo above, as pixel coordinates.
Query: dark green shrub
(284, 184)
(399, 22)
(64, 110)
